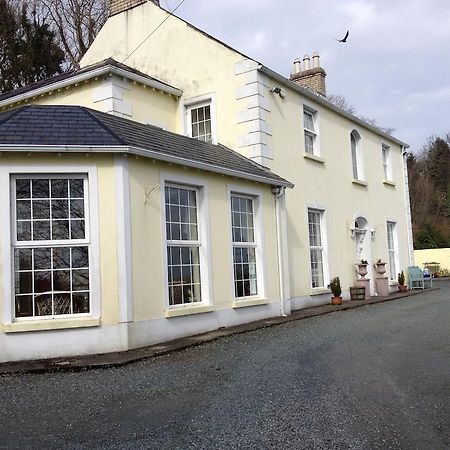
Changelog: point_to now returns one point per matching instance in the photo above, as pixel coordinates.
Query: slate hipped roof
(41, 128)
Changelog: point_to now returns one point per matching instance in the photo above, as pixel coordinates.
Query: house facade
(350, 178)
(346, 199)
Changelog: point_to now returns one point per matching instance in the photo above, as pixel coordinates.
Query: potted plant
(335, 286)
(362, 268)
(380, 267)
(401, 282)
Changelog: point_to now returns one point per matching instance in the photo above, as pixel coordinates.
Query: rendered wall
(177, 54)
(148, 248)
(50, 337)
(434, 255)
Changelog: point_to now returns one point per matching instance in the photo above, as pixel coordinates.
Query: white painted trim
(6, 173)
(316, 118)
(324, 236)
(359, 155)
(258, 213)
(398, 266)
(204, 235)
(195, 102)
(144, 153)
(124, 238)
(75, 79)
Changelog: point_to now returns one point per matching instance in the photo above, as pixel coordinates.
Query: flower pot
(380, 268)
(402, 288)
(336, 300)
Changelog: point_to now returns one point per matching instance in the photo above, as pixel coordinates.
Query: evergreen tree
(28, 49)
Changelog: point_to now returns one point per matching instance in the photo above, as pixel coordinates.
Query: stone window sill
(360, 182)
(51, 324)
(315, 158)
(389, 183)
(188, 310)
(245, 302)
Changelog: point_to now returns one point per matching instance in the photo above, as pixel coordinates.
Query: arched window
(355, 139)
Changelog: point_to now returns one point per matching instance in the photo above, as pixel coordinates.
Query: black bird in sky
(345, 37)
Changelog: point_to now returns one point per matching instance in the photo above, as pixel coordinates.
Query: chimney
(118, 6)
(312, 78)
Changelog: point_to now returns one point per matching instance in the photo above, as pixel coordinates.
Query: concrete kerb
(108, 360)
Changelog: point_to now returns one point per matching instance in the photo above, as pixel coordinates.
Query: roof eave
(138, 151)
(281, 79)
(97, 72)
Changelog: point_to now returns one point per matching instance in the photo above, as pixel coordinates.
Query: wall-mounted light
(372, 233)
(352, 232)
(279, 91)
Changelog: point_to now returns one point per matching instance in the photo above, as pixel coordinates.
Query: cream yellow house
(350, 200)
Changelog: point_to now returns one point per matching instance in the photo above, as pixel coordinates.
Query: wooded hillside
(429, 184)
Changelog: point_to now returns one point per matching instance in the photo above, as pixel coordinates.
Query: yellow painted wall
(178, 55)
(439, 255)
(107, 222)
(329, 185)
(148, 105)
(147, 234)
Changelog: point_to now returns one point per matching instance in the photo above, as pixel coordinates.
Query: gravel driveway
(376, 377)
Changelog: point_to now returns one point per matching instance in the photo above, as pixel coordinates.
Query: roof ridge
(88, 111)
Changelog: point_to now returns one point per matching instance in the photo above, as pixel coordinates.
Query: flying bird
(345, 37)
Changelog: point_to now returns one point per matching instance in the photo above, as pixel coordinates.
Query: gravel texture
(376, 377)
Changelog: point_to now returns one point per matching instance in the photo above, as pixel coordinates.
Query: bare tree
(341, 102)
(76, 23)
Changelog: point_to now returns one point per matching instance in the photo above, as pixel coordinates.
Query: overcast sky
(394, 68)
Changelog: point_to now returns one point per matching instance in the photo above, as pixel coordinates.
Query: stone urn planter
(380, 267)
(362, 268)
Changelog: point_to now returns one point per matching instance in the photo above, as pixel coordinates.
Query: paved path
(375, 377)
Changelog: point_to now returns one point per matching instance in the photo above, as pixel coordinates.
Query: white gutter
(144, 153)
(409, 232)
(282, 250)
(98, 72)
(323, 101)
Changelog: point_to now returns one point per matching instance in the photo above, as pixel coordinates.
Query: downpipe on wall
(282, 250)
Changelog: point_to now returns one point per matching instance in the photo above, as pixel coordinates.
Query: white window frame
(258, 222)
(196, 102)
(313, 133)
(324, 247)
(8, 237)
(201, 187)
(387, 162)
(358, 156)
(393, 271)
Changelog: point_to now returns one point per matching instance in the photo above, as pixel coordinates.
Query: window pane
(24, 306)
(80, 280)
(80, 257)
(80, 303)
(23, 259)
(41, 230)
(23, 189)
(308, 119)
(24, 282)
(76, 188)
(77, 229)
(24, 231)
(60, 230)
(40, 188)
(61, 280)
(61, 258)
(60, 209)
(61, 304)
(23, 209)
(41, 209)
(42, 258)
(60, 188)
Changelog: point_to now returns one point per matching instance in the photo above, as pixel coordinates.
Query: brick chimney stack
(118, 6)
(310, 77)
